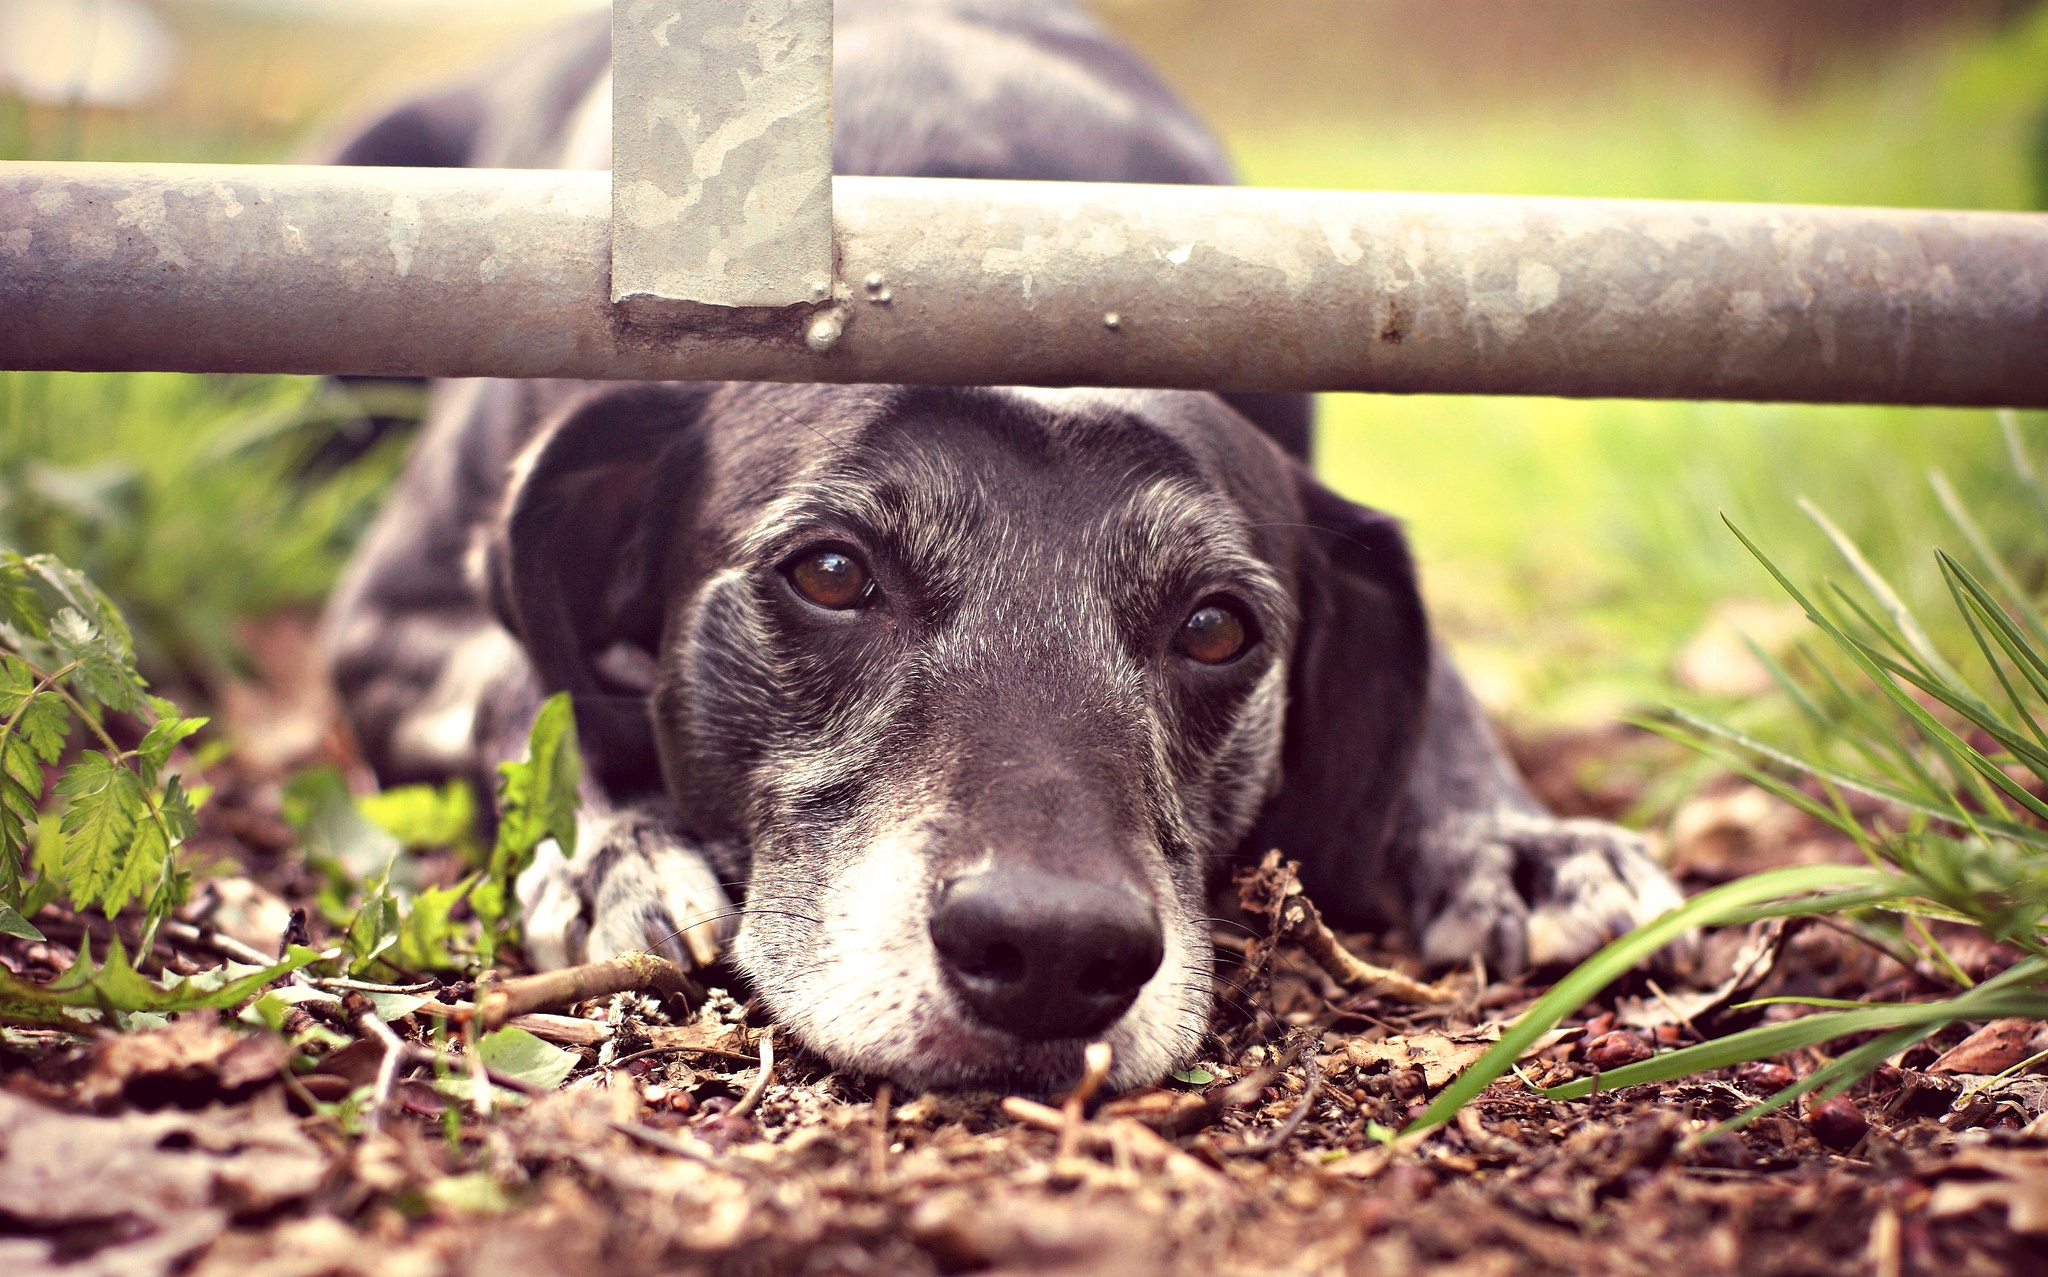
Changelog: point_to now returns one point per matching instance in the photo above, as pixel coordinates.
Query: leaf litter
(637, 1131)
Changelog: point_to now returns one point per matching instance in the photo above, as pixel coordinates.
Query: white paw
(1532, 890)
(632, 886)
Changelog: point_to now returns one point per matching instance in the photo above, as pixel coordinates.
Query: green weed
(1962, 838)
(191, 500)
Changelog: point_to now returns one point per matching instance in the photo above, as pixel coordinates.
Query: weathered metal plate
(721, 152)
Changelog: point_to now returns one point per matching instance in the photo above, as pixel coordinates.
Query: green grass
(1572, 546)
(190, 500)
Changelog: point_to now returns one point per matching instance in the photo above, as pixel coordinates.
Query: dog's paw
(1522, 890)
(632, 885)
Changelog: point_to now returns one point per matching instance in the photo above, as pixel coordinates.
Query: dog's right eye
(830, 578)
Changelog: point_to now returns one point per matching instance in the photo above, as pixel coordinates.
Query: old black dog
(967, 695)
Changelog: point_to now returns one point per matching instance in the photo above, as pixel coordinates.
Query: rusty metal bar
(505, 274)
(721, 152)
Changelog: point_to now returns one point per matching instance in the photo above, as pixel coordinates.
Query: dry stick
(566, 1029)
(626, 973)
(761, 1080)
(654, 1139)
(1303, 923)
(878, 1139)
(396, 1052)
(1142, 1139)
(1312, 1075)
(479, 1076)
(225, 945)
(1095, 1070)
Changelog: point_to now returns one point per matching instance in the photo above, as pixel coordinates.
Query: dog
(945, 709)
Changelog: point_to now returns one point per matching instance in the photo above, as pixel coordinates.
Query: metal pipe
(722, 191)
(487, 273)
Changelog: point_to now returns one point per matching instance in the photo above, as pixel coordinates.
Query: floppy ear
(1357, 693)
(578, 565)
(438, 130)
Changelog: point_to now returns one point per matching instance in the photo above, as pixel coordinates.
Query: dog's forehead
(1125, 470)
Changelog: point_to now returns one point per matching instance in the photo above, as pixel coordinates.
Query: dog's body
(967, 693)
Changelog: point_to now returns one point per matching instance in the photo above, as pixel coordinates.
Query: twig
(761, 1080)
(566, 1029)
(396, 1052)
(1142, 1139)
(364, 986)
(1298, 919)
(1312, 1076)
(878, 1138)
(627, 973)
(666, 1143)
(479, 1075)
(1095, 1062)
(1664, 998)
(225, 945)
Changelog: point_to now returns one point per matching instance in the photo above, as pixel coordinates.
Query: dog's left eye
(830, 578)
(1214, 634)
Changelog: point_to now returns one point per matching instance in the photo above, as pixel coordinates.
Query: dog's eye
(830, 578)
(1213, 634)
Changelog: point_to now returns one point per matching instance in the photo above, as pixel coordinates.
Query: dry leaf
(1439, 1056)
(2019, 1183)
(1994, 1048)
(1752, 960)
(191, 1060)
(144, 1190)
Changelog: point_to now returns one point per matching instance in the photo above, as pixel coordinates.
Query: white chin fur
(863, 988)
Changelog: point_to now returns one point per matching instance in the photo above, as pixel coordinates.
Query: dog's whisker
(1235, 1004)
(1232, 922)
(734, 913)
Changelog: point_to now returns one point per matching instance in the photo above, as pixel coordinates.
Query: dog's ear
(438, 130)
(578, 563)
(1357, 693)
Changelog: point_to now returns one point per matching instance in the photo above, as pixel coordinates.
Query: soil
(197, 1149)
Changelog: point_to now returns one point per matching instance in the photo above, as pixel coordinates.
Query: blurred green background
(1573, 550)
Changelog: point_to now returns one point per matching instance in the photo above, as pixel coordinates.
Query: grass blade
(1969, 606)
(1884, 793)
(1608, 965)
(1981, 545)
(1902, 616)
(2022, 464)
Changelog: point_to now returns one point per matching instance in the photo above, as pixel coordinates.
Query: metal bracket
(721, 153)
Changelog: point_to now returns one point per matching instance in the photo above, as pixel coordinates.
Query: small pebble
(654, 1095)
(1838, 1123)
(1613, 1050)
(1764, 1079)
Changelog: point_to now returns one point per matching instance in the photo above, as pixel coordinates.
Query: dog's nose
(1045, 956)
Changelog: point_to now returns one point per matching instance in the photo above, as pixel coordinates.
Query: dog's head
(984, 683)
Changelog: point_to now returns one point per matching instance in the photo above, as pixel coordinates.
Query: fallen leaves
(191, 1058)
(134, 1195)
(1994, 1048)
(2015, 1178)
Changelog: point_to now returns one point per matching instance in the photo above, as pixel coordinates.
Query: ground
(1573, 553)
(196, 1148)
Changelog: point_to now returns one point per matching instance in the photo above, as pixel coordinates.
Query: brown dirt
(196, 1150)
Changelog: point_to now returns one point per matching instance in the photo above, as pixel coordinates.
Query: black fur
(1011, 695)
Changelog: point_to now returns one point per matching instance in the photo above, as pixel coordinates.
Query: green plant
(192, 501)
(390, 922)
(1962, 836)
(68, 662)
